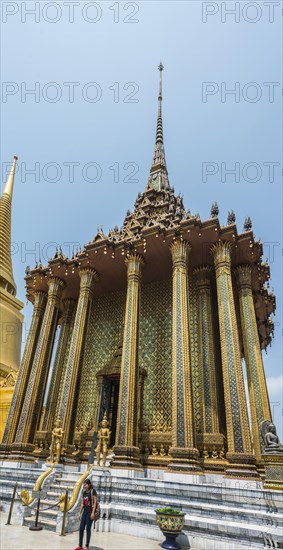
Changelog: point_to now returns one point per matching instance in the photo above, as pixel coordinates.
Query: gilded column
(56, 378)
(40, 299)
(38, 377)
(240, 452)
(207, 360)
(126, 450)
(185, 456)
(69, 403)
(259, 402)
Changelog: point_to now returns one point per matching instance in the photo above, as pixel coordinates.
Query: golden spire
(158, 175)
(6, 272)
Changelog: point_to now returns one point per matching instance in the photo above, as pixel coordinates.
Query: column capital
(244, 276)
(134, 263)
(203, 277)
(180, 253)
(40, 299)
(55, 284)
(88, 277)
(55, 289)
(221, 251)
(88, 271)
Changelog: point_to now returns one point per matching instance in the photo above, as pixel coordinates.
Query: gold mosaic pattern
(170, 522)
(196, 375)
(155, 354)
(103, 335)
(61, 401)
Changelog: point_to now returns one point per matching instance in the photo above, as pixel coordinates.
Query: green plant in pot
(171, 523)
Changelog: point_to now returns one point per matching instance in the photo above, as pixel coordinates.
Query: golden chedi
(11, 319)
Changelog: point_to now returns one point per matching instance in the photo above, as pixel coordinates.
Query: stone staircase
(54, 488)
(49, 509)
(221, 514)
(9, 474)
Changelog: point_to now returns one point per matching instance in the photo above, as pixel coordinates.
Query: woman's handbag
(97, 512)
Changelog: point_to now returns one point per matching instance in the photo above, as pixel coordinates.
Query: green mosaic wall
(102, 338)
(155, 354)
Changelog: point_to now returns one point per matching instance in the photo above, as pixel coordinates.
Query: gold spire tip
(16, 157)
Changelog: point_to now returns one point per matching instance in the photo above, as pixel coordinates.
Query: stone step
(7, 489)
(11, 482)
(16, 473)
(183, 498)
(53, 494)
(61, 487)
(49, 514)
(205, 509)
(69, 479)
(197, 523)
(13, 479)
(46, 523)
(48, 502)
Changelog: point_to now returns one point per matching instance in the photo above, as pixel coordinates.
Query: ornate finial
(160, 67)
(10, 181)
(248, 224)
(214, 211)
(231, 218)
(158, 176)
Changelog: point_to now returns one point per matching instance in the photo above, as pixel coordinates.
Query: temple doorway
(109, 405)
(108, 382)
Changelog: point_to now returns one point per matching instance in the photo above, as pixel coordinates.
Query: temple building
(11, 319)
(155, 324)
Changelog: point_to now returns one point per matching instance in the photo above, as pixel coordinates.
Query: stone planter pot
(171, 524)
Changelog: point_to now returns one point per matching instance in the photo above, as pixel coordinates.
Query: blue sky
(108, 58)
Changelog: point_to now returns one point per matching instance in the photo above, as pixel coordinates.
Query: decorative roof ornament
(10, 379)
(158, 175)
(248, 224)
(231, 218)
(61, 255)
(214, 211)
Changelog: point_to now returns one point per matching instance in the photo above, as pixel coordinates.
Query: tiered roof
(159, 216)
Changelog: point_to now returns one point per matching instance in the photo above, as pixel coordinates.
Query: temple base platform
(221, 513)
(273, 471)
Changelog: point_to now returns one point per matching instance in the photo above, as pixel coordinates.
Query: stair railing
(71, 501)
(28, 498)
